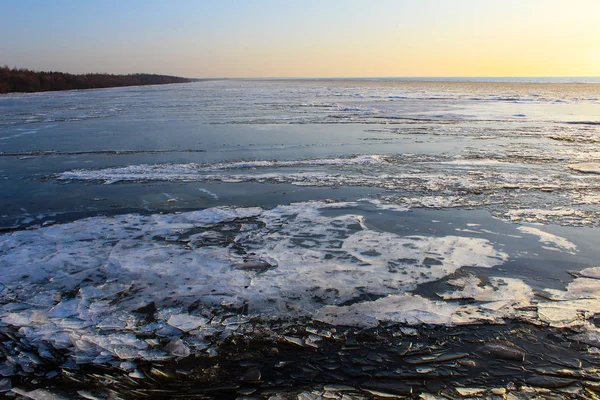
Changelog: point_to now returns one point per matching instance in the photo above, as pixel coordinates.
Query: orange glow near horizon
(337, 38)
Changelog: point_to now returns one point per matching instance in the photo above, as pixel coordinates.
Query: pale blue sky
(247, 38)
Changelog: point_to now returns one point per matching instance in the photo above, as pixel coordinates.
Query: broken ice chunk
(177, 348)
(186, 322)
(255, 266)
(593, 272)
(470, 392)
(25, 318)
(39, 394)
(5, 385)
(137, 374)
(127, 366)
(111, 323)
(505, 351)
(64, 309)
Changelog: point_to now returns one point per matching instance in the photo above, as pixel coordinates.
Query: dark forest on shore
(24, 80)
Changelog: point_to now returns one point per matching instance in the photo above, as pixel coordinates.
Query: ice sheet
(181, 281)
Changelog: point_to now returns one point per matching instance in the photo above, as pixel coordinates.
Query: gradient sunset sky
(308, 38)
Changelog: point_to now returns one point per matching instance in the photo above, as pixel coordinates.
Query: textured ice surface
(192, 171)
(134, 287)
(392, 172)
(590, 167)
(498, 289)
(533, 213)
(512, 184)
(123, 289)
(498, 300)
(590, 273)
(579, 302)
(89, 285)
(407, 309)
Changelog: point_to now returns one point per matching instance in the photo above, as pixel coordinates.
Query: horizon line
(403, 77)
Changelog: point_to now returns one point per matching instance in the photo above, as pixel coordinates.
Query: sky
(308, 38)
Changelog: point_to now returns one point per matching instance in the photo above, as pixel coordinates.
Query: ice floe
(501, 298)
(548, 238)
(498, 289)
(133, 287)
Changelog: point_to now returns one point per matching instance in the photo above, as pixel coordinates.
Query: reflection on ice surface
(156, 287)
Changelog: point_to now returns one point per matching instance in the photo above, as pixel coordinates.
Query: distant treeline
(24, 80)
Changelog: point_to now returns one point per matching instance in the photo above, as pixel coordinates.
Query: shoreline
(21, 80)
(318, 359)
(105, 87)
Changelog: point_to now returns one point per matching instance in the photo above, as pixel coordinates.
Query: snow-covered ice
(91, 287)
(548, 238)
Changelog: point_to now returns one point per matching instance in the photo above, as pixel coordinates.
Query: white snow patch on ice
(590, 167)
(498, 289)
(199, 172)
(83, 286)
(476, 162)
(208, 192)
(79, 285)
(363, 159)
(549, 238)
(406, 308)
(386, 206)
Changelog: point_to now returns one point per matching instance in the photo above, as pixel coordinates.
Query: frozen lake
(326, 224)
